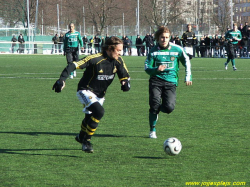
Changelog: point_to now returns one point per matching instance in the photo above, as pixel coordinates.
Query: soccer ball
(172, 146)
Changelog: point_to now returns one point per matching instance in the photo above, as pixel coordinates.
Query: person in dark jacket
(97, 44)
(61, 38)
(14, 40)
(21, 45)
(85, 43)
(148, 40)
(139, 45)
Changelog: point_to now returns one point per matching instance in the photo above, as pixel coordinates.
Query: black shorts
(72, 54)
(231, 50)
(162, 96)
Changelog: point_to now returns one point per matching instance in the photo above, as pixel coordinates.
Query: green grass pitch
(38, 127)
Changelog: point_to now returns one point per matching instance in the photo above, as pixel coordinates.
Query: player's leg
(154, 103)
(94, 112)
(75, 54)
(229, 54)
(168, 98)
(82, 134)
(69, 58)
(233, 48)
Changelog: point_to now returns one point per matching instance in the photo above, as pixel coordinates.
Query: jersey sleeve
(187, 64)
(122, 70)
(80, 40)
(66, 72)
(82, 63)
(149, 68)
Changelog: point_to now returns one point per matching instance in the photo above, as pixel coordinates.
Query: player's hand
(58, 86)
(125, 85)
(189, 83)
(161, 67)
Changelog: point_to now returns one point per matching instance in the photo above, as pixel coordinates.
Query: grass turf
(38, 127)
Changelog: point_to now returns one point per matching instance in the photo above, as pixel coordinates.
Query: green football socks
(152, 121)
(233, 62)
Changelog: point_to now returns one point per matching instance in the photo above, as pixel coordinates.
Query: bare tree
(103, 13)
(222, 18)
(157, 13)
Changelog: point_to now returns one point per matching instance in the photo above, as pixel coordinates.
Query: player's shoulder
(176, 47)
(95, 57)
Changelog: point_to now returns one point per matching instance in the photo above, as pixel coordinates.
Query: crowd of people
(205, 46)
(216, 46)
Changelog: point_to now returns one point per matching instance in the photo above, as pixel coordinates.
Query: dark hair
(111, 43)
(161, 30)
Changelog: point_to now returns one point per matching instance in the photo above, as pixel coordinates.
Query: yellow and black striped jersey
(99, 72)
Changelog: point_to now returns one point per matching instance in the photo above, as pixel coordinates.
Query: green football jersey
(171, 58)
(72, 40)
(231, 34)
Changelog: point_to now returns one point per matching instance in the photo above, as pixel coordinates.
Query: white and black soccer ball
(172, 146)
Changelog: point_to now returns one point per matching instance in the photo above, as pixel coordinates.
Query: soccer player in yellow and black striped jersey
(99, 74)
(188, 40)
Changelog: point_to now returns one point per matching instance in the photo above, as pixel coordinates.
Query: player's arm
(80, 40)
(64, 45)
(60, 83)
(187, 64)
(239, 37)
(149, 68)
(123, 74)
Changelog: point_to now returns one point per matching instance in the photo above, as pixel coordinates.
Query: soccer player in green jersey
(71, 43)
(233, 37)
(162, 64)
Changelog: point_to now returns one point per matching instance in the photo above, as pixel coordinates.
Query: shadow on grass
(149, 157)
(60, 134)
(29, 152)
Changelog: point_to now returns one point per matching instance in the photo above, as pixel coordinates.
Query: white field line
(136, 79)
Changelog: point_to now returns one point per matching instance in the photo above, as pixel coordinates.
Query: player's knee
(154, 110)
(167, 108)
(97, 110)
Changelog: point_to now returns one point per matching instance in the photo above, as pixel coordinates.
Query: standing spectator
(129, 43)
(248, 43)
(97, 44)
(138, 44)
(102, 42)
(21, 45)
(162, 64)
(107, 37)
(61, 38)
(188, 38)
(215, 45)
(90, 45)
(233, 37)
(208, 43)
(14, 40)
(124, 45)
(149, 43)
(240, 28)
(222, 46)
(71, 42)
(85, 43)
(245, 40)
(153, 39)
(203, 47)
(55, 39)
(177, 40)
